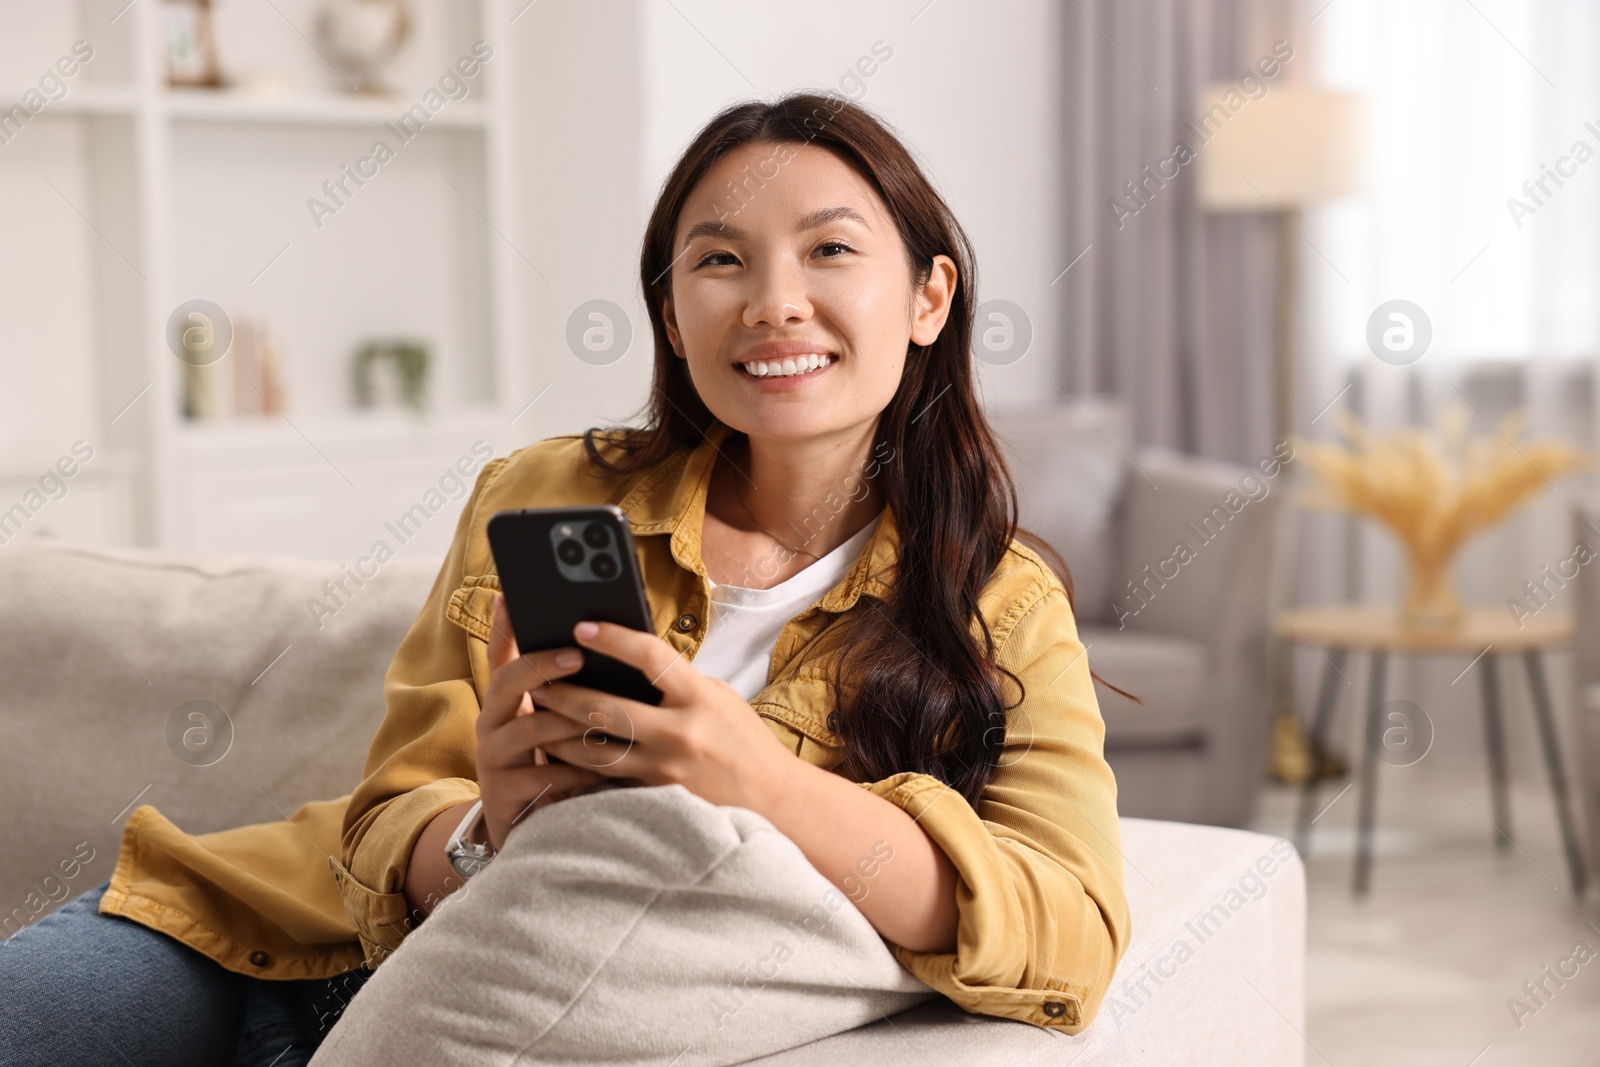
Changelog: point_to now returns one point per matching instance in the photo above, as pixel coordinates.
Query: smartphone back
(560, 566)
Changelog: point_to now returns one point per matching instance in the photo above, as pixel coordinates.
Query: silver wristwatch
(468, 857)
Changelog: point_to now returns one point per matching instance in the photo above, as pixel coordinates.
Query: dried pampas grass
(1434, 491)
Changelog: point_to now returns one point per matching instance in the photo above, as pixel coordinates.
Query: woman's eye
(722, 259)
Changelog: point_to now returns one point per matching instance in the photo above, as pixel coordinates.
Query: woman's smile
(790, 372)
(777, 366)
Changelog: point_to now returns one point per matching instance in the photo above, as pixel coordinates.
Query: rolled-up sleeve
(1043, 919)
(422, 759)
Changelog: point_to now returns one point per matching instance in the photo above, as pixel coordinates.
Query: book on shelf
(247, 382)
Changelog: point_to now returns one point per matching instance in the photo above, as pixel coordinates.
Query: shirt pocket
(802, 706)
(471, 606)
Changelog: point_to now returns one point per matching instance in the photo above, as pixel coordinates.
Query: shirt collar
(670, 499)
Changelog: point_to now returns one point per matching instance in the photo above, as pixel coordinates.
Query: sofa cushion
(103, 650)
(1167, 673)
(1069, 463)
(628, 927)
(1194, 531)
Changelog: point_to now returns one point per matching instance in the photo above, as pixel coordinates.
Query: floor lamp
(1276, 154)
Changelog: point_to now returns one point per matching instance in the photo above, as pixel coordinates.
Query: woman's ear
(932, 304)
(671, 322)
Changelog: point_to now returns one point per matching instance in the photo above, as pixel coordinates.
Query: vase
(364, 35)
(1431, 602)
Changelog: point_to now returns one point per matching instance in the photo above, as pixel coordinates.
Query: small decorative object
(246, 382)
(389, 373)
(1292, 760)
(257, 370)
(200, 391)
(1435, 492)
(363, 36)
(191, 45)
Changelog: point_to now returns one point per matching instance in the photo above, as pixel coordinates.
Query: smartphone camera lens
(604, 565)
(570, 552)
(594, 535)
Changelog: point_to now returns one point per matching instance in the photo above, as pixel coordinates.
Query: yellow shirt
(1043, 916)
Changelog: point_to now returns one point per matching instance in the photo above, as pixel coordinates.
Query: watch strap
(468, 857)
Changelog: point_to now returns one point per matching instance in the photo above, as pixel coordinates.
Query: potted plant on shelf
(391, 372)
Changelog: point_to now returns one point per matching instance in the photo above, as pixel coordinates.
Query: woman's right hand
(514, 777)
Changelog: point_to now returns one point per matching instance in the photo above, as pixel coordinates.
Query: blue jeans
(83, 988)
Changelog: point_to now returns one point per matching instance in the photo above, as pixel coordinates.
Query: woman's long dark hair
(927, 697)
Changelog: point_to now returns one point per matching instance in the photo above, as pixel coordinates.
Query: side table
(1485, 633)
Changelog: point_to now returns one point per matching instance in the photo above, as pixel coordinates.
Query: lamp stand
(1291, 757)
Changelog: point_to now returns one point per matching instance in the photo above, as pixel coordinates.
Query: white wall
(46, 255)
(576, 82)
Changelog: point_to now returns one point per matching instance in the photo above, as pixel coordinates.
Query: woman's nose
(779, 298)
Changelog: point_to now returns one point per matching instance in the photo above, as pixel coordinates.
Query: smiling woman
(936, 692)
(895, 721)
(849, 261)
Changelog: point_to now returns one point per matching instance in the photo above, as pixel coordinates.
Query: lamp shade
(1288, 148)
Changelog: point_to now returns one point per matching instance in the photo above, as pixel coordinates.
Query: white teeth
(788, 366)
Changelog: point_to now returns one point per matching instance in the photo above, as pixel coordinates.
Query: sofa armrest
(1215, 972)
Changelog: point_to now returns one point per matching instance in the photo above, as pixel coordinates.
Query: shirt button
(686, 622)
(259, 958)
(1054, 1008)
(833, 721)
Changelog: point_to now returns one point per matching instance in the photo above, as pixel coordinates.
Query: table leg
(1495, 745)
(1319, 733)
(1369, 774)
(1552, 759)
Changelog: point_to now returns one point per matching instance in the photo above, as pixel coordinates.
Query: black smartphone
(560, 566)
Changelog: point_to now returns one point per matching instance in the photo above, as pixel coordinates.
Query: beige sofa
(99, 647)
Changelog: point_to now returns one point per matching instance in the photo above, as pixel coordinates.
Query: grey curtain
(1170, 308)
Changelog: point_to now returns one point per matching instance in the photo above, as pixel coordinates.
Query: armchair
(1164, 550)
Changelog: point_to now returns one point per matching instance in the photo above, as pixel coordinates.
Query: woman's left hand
(703, 736)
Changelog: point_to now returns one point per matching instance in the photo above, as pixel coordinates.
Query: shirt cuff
(989, 947)
(372, 877)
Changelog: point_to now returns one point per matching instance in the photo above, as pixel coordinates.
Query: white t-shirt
(745, 623)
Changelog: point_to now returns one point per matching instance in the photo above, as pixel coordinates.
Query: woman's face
(805, 261)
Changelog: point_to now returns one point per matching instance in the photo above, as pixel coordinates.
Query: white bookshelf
(177, 194)
(315, 109)
(99, 100)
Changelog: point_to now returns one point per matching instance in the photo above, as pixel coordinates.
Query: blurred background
(1288, 319)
